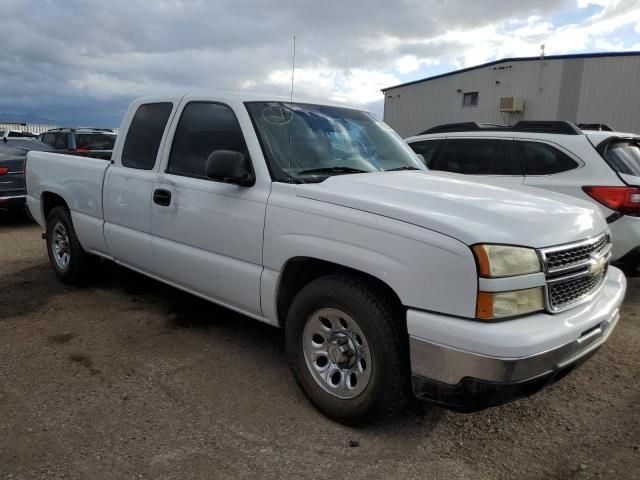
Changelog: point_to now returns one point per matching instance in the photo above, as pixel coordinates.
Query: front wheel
(69, 261)
(348, 348)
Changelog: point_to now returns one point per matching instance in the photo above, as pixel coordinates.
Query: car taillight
(82, 150)
(625, 200)
(4, 170)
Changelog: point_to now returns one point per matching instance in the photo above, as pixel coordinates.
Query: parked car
(13, 154)
(86, 142)
(600, 166)
(321, 220)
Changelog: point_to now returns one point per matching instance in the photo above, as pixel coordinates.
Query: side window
(49, 139)
(203, 129)
(61, 141)
(145, 133)
(428, 149)
(478, 157)
(543, 159)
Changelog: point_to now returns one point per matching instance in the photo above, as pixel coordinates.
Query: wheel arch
(300, 271)
(49, 201)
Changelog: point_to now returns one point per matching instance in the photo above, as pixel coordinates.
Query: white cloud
(601, 3)
(93, 56)
(357, 86)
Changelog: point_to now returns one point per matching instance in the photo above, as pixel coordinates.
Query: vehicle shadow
(183, 310)
(186, 311)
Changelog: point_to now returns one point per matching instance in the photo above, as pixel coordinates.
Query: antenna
(293, 71)
(293, 67)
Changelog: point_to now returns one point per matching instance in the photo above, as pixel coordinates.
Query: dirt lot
(128, 378)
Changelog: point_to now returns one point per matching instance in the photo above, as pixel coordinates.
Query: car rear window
(624, 157)
(543, 159)
(95, 141)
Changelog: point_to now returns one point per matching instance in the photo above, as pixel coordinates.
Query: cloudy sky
(81, 62)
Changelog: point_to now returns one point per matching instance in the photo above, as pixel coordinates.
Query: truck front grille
(567, 257)
(575, 271)
(567, 292)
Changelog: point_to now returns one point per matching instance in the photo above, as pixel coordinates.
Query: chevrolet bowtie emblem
(596, 264)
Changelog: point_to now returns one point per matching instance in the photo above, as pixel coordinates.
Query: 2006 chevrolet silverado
(387, 279)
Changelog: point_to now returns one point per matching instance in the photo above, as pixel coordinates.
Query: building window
(470, 99)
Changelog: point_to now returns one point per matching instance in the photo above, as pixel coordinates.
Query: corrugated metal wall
(610, 93)
(36, 128)
(599, 90)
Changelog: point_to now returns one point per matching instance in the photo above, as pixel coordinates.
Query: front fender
(427, 270)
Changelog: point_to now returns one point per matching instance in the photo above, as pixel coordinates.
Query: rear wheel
(70, 262)
(348, 348)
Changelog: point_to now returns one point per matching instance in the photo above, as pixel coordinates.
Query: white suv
(601, 166)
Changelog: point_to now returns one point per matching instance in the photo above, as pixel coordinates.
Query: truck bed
(78, 180)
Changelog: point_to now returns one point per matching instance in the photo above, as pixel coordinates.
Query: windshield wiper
(332, 170)
(404, 167)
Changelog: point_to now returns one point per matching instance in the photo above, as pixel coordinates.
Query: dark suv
(88, 142)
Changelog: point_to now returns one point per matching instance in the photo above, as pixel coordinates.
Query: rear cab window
(145, 134)
(478, 156)
(624, 157)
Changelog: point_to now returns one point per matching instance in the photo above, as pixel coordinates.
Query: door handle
(162, 197)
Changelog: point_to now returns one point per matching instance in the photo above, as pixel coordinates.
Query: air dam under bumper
(468, 365)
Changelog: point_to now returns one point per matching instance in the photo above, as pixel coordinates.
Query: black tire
(382, 323)
(79, 263)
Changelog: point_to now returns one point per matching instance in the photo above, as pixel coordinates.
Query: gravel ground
(128, 378)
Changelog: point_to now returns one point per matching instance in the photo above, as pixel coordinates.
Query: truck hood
(472, 212)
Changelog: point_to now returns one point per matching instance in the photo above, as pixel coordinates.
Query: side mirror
(230, 167)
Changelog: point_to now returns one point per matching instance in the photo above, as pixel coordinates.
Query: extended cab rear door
(129, 184)
(207, 235)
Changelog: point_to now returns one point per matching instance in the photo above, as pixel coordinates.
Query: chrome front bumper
(449, 365)
(547, 342)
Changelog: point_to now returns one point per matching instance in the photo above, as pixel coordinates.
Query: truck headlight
(505, 261)
(496, 305)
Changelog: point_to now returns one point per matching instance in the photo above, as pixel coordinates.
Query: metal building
(26, 127)
(582, 88)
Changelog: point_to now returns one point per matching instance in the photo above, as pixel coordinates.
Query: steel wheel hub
(60, 246)
(337, 353)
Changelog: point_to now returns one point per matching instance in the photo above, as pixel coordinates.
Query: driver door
(207, 235)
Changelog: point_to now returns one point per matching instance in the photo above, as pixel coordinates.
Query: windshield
(624, 157)
(307, 143)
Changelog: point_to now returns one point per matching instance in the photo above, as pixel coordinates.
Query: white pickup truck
(386, 278)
